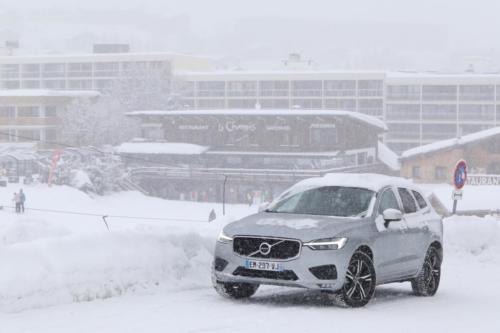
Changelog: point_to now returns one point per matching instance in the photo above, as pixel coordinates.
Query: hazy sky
(354, 33)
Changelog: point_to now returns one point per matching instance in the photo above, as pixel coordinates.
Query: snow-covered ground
(68, 273)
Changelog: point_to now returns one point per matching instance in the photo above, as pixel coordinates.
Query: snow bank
(470, 235)
(41, 271)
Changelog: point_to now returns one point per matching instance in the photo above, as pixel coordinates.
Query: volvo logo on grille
(265, 248)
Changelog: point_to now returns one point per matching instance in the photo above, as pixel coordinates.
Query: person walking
(17, 201)
(22, 199)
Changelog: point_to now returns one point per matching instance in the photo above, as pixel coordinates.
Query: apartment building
(424, 108)
(32, 115)
(350, 91)
(95, 71)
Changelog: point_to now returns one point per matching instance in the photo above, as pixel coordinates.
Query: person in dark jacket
(22, 199)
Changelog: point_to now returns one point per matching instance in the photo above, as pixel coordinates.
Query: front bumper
(230, 267)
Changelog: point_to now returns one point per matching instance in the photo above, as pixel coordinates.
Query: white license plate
(264, 265)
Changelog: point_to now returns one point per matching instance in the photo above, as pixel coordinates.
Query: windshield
(327, 200)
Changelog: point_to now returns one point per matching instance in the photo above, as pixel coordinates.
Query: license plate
(264, 265)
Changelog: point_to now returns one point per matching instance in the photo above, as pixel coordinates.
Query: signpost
(459, 179)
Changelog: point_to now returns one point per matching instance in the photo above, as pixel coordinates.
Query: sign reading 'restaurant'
(477, 179)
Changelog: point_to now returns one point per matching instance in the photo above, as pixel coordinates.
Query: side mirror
(392, 215)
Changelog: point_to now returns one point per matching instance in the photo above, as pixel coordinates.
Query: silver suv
(343, 233)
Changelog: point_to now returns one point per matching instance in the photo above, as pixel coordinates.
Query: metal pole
(454, 207)
(224, 196)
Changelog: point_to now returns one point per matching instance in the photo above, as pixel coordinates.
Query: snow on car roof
(369, 181)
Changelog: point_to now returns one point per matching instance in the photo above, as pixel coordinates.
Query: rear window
(420, 199)
(409, 204)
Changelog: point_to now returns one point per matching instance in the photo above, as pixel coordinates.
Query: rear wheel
(427, 281)
(235, 290)
(360, 281)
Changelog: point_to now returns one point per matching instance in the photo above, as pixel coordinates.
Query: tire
(427, 281)
(360, 282)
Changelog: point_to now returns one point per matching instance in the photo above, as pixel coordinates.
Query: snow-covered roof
(160, 148)
(369, 120)
(47, 93)
(388, 157)
(370, 181)
(451, 143)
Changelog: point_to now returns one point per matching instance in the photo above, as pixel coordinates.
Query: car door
(413, 233)
(389, 244)
(419, 227)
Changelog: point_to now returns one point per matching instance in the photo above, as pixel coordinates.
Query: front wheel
(427, 281)
(359, 286)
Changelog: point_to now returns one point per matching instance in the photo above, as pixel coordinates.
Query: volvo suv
(342, 233)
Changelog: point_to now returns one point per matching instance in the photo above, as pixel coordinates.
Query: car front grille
(285, 275)
(273, 248)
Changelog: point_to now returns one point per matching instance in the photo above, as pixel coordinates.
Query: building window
(434, 112)
(50, 111)
(372, 107)
(403, 92)
(476, 112)
(28, 111)
(341, 104)
(402, 112)
(434, 132)
(370, 88)
(307, 88)
(323, 137)
(437, 92)
(28, 135)
(440, 173)
(274, 88)
(477, 92)
(51, 134)
(242, 88)
(54, 70)
(362, 158)
(340, 88)
(7, 112)
(8, 135)
(211, 88)
(306, 104)
(415, 172)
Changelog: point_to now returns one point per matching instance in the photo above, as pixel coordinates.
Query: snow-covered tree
(88, 122)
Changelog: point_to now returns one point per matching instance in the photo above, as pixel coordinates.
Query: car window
(388, 200)
(327, 200)
(409, 204)
(420, 199)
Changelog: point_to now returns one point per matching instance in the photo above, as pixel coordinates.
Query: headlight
(223, 238)
(327, 244)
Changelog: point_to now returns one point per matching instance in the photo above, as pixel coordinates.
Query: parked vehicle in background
(343, 233)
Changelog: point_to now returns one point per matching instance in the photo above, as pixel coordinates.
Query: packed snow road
(61, 273)
(467, 302)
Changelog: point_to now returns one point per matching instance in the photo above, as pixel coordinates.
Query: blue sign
(460, 174)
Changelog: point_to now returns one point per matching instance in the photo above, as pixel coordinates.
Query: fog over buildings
(429, 35)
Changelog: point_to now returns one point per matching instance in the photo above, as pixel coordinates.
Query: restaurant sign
(480, 179)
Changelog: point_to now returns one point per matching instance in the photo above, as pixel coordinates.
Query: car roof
(370, 181)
